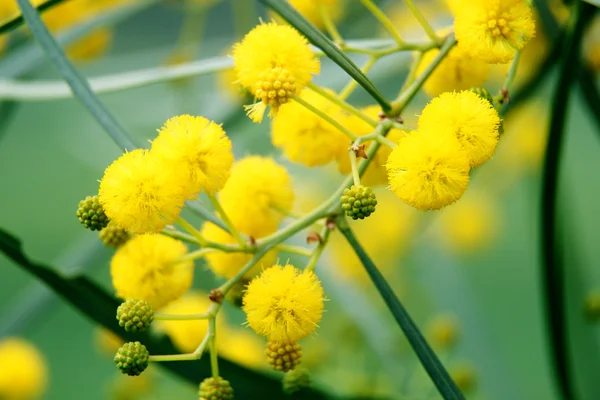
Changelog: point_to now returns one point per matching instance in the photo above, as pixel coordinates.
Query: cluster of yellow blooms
(428, 167)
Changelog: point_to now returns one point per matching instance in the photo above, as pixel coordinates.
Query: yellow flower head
(310, 10)
(375, 173)
(199, 147)
(148, 267)
(284, 304)
(23, 370)
(256, 194)
(273, 62)
(492, 30)
(186, 334)
(306, 138)
(428, 170)
(458, 71)
(142, 194)
(467, 116)
(228, 264)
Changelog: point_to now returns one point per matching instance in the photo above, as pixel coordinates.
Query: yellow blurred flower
(242, 346)
(591, 44)
(310, 10)
(442, 331)
(107, 342)
(23, 370)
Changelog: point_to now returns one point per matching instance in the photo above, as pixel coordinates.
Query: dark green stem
(428, 358)
(553, 273)
(18, 20)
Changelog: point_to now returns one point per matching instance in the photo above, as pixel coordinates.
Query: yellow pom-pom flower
(375, 173)
(149, 267)
(23, 370)
(493, 30)
(457, 71)
(256, 195)
(186, 334)
(310, 9)
(199, 147)
(305, 137)
(428, 170)
(273, 62)
(142, 194)
(228, 265)
(467, 116)
(284, 304)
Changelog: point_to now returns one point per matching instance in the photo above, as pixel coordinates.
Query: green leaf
(76, 81)
(317, 38)
(99, 306)
(428, 358)
(17, 20)
(593, 2)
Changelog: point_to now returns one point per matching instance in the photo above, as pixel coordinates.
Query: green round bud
(358, 202)
(91, 214)
(113, 235)
(215, 389)
(283, 356)
(295, 380)
(135, 315)
(132, 358)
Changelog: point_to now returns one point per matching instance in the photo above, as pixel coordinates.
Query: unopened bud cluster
(91, 214)
(358, 202)
(295, 380)
(135, 315)
(215, 389)
(132, 358)
(113, 235)
(283, 356)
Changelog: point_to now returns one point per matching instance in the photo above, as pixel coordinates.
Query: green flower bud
(132, 358)
(113, 235)
(215, 389)
(91, 214)
(135, 315)
(283, 356)
(295, 380)
(358, 202)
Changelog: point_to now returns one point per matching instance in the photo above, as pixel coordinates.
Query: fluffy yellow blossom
(458, 71)
(141, 193)
(23, 370)
(241, 346)
(375, 173)
(284, 304)
(471, 119)
(428, 170)
(228, 264)
(470, 224)
(148, 267)
(492, 30)
(305, 137)
(273, 62)
(310, 10)
(256, 194)
(200, 148)
(186, 334)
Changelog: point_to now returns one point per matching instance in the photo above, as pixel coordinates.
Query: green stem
(329, 25)
(384, 20)
(316, 254)
(189, 228)
(324, 116)
(230, 226)
(184, 237)
(412, 72)
(196, 355)
(181, 317)
(406, 96)
(226, 287)
(355, 175)
(302, 251)
(512, 72)
(352, 85)
(429, 360)
(214, 355)
(194, 255)
(334, 98)
(428, 29)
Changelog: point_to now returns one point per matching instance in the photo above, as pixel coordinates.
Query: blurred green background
(52, 154)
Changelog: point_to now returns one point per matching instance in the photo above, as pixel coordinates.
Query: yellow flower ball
(306, 138)
(310, 10)
(186, 335)
(471, 224)
(493, 30)
(142, 194)
(148, 267)
(458, 71)
(284, 304)
(273, 62)
(228, 265)
(199, 147)
(23, 370)
(257, 194)
(471, 119)
(375, 173)
(428, 170)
